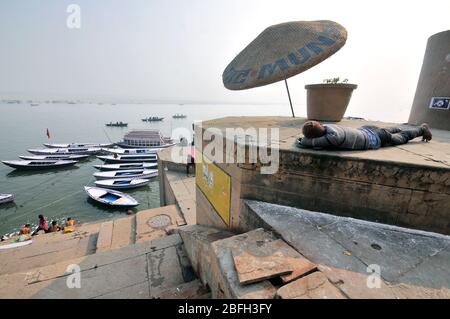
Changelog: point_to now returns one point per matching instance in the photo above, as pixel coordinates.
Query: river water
(59, 194)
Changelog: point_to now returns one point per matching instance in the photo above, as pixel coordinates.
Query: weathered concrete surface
(123, 232)
(407, 185)
(136, 271)
(157, 222)
(411, 263)
(105, 236)
(313, 286)
(47, 251)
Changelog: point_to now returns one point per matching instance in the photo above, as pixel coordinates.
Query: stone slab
(251, 269)
(105, 236)
(313, 286)
(123, 232)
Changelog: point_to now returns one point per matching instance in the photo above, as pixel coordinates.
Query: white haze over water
(176, 50)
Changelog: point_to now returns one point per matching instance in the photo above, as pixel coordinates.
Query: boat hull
(145, 174)
(119, 160)
(116, 183)
(82, 145)
(54, 157)
(7, 198)
(64, 151)
(24, 166)
(110, 197)
(126, 166)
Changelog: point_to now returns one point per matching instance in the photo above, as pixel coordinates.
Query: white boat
(133, 173)
(123, 183)
(78, 145)
(38, 165)
(129, 158)
(145, 139)
(54, 157)
(65, 151)
(130, 151)
(110, 197)
(126, 166)
(6, 198)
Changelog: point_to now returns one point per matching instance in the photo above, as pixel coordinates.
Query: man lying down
(331, 136)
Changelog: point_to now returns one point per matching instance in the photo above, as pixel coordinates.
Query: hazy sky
(178, 49)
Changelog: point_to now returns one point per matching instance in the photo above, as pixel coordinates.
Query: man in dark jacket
(317, 135)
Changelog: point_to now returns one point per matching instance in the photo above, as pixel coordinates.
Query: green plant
(335, 81)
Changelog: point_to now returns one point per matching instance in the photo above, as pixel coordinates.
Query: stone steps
(152, 269)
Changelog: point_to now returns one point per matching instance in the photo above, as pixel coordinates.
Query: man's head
(54, 223)
(69, 219)
(41, 217)
(313, 129)
(27, 225)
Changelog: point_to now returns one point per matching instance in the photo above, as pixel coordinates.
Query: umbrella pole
(289, 96)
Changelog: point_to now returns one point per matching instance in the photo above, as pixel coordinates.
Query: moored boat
(133, 173)
(126, 166)
(129, 158)
(38, 165)
(78, 145)
(125, 183)
(54, 157)
(6, 198)
(65, 151)
(145, 139)
(110, 197)
(179, 116)
(130, 151)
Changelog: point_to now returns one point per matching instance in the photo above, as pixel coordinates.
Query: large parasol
(282, 51)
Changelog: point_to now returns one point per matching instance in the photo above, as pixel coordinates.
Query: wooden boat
(145, 139)
(38, 165)
(110, 197)
(153, 119)
(54, 157)
(65, 151)
(130, 151)
(129, 158)
(79, 145)
(117, 124)
(6, 198)
(126, 166)
(132, 173)
(125, 183)
(179, 116)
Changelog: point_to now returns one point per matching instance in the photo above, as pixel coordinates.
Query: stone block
(313, 286)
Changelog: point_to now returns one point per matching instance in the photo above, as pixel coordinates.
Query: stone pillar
(432, 100)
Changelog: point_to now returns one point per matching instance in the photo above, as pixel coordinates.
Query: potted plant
(328, 101)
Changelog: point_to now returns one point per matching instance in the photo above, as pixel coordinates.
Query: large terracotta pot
(328, 102)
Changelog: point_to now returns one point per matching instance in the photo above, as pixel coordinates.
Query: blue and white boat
(110, 197)
(125, 183)
(129, 158)
(133, 173)
(126, 166)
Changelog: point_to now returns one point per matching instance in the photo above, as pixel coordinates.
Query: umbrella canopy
(282, 51)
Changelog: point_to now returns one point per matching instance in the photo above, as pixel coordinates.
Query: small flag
(48, 134)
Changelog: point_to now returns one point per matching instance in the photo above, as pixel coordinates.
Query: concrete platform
(407, 185)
